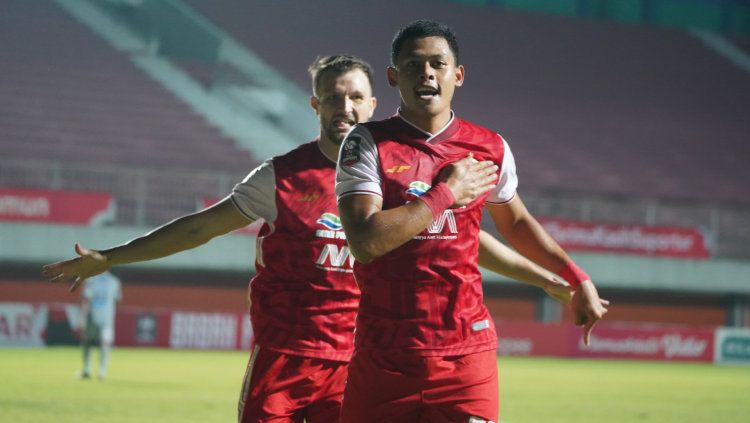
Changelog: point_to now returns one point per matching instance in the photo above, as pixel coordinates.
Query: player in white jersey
(99, 299)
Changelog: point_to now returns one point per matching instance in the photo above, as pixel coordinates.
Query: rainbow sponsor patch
(330, 221)
(417, 188)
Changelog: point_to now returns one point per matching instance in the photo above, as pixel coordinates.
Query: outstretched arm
(529, 238)
(181, 234)
(499, 258)
(372, 232)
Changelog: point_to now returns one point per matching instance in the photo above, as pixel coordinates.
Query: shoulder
(476, 130)
(306, 150)
(486, 139)
(301, 158)
(381, 129)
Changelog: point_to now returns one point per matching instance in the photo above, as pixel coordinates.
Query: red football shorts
(284, 388)
(404, 387)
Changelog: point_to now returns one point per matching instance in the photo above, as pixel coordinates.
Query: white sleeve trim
(508, 183)
(358, 168)
(255, 196)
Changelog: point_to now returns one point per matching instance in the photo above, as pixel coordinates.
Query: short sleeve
(357, 171)
(508, 183)
(255, 196)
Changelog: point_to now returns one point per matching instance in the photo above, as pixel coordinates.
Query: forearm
(497, 257)
(372, 232)
(530, 239)
(166, 240)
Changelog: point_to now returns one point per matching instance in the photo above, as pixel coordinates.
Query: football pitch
(154, 385)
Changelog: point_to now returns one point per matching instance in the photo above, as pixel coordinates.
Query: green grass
(145, 385)
(567, 390)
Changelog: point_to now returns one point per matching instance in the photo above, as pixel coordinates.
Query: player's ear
(314, 103)
(374, 105)
(392, 74)
(460, 74)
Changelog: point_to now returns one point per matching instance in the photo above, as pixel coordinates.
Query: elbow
(362, 254)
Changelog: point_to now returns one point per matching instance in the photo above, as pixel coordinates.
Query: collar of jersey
(430, 137)
(317, 142)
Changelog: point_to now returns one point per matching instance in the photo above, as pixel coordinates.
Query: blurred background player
(99, 299)
(424, 337)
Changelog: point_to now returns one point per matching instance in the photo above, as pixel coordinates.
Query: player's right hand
(588, 308)
(468, 179)
(88, 263)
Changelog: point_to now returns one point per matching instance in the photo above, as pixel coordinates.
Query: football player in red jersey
(411, 191)
(303, 298)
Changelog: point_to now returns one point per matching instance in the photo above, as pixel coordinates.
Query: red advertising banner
(251, 229)
(22, 324)
(182, 329)
(532, 338)
(69, 207)
(647, 343)
(142, 328)
(635, 239)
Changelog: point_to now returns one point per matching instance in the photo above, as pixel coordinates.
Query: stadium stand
(635, 121)
(588, 105)
(77, 114)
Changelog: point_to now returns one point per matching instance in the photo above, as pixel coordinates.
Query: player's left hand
(588, 308)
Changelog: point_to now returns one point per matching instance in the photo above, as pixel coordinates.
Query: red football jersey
(426, 295)
(304, 298)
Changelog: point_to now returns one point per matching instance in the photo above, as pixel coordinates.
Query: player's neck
(329, 148)
(432, 124)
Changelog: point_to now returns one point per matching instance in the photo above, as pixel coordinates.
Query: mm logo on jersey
(335, 258)
(437, 225)
(417, 188)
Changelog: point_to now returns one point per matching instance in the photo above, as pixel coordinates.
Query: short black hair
(338, 64)
(420, 29)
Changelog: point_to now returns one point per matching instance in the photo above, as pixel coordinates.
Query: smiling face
(341, 101)
(426, 75)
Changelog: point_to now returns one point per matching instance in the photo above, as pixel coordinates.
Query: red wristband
(573, 274)
(438, 198)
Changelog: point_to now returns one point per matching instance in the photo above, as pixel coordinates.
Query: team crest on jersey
(350, 151)
(417, 188)
(330, 221)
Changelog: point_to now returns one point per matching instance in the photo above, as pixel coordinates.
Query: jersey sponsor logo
(438, 224)
(333, 226)
(350, 151)
(330, 221)
(437, 227)
(335, 258)
(418, 188)
(397, 169)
